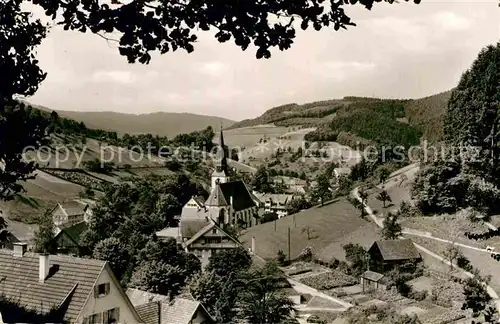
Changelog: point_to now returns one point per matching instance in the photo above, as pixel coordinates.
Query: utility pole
(275, 225)
(289, 257)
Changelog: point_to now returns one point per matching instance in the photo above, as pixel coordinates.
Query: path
(379, 223)
(304, 289)
(430, 236)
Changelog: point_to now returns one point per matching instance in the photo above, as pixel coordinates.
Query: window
(214, 231)
(93, 319)
(101, 290)
(111, 316)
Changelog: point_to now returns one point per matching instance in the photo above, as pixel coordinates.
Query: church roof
(217, 198)
(221, 196)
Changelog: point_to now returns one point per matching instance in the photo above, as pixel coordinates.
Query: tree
(451, 254)
(308, 230)
(322, 190)
(261, 181)
(44, 236)
(383, 174)
(391, 229)
(159, 278)
(260, 298)
(115, 252)
(4, 233)
(477, 298)
(269, 217)
(218, 294)
(356, 255)
(229, 261)
(298, 204)
(384, 197)
(472, 116)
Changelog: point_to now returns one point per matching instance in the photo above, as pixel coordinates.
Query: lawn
(327, 225)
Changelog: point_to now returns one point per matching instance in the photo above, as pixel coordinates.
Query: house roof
(204, 230)
(397, 249)
(372, 276)
(189, 228)
(169, 232)
(141, 297)
(200, 200)
(221, 196)
(75, 231)
(217, 198)
(275, 198)
(73, 208)
(193, 213)
(21, 231)
(149, 312)
(178, 311)
(69, 283)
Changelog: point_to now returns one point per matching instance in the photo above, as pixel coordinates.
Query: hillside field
(330, 226)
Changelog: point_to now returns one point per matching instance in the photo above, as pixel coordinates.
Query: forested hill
(159, 123)
(366, 119)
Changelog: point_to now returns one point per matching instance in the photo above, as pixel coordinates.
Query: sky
(396, 51)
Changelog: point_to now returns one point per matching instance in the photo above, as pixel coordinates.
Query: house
(70, 213)
(158, 309)
(386, 254)
(79, 290)
(371, 281)
(19, 232)
(208, 241)
(276, 203)
(68, 239)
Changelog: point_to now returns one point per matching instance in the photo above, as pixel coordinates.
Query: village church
(204, 223)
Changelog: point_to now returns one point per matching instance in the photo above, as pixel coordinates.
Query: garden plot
(329, 280)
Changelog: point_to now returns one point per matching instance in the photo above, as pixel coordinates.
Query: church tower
(220, 174)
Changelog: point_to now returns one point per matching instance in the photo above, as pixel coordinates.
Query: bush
(418, 295)
(464, 263)
(334, 263)
(281, 258)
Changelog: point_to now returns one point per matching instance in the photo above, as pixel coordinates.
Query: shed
(371, 280)
(385, 254)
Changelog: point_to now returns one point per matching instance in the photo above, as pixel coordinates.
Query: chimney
(43, 267)
(253, 244)
(19, 249)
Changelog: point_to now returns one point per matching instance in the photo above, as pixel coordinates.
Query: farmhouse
(385, 254)
(276, 203)
(70, 213)
(77, 290)
(208, 241)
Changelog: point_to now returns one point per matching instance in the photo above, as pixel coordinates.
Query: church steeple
(222, 154)
(220, 174)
